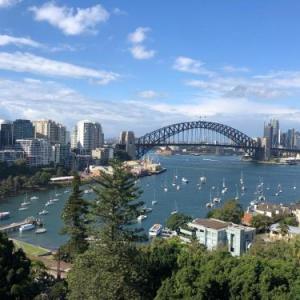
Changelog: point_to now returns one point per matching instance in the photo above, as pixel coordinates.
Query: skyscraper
(6, 134)
(22, 129)
(276, 132)
(88, 135)
(48, 129)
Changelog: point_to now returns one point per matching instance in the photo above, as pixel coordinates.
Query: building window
(231, 242)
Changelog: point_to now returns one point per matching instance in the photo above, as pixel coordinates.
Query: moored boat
(26, 227)
(155, 230)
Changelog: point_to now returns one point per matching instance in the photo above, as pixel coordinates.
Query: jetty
(15, 226)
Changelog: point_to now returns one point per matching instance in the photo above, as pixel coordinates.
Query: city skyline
(118, 63)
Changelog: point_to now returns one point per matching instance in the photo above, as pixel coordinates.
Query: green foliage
(178, 220)
(74, 216)
(109, 269)
(231, 211)
(261, 222)
(15, 280)
(217, 275)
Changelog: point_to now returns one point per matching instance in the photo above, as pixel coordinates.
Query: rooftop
(270, 207)
(210, 223)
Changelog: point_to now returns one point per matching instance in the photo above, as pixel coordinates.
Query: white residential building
(87, 136)
(37, 151)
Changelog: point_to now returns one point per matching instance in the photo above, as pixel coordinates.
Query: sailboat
(242, 178)
(224, 188)
(217, 198)
(237, 193)
(154, 201)
(209, 204)
(175, 211)
(25, 201)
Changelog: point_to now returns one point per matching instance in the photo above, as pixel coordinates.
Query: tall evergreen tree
(117, 205)
(110, 268)
(74, 216)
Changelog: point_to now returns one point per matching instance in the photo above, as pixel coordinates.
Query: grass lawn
(30, 249)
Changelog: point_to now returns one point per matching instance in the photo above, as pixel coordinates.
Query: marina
(226, 177)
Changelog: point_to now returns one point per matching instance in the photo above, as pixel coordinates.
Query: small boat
(175, 211)
(140, 218)
(50, 202)
(253, 202)
(25, 201)
(224, 190)
(34, 198)
(213, 187)
(178, 187)
(154, 202)
(43, 212)
(209, 204)
(243, 188)
(88, 191)
(26, 227)
(237, 197)
(184, 180)
(54, 199)
(41, 230)
(147, 210)
(294, 187)
(66, 191)
(203, 179)
(23, 208)
(155, 230)
(262, 198)
(216, 199)
(165, 189)
(4, 215)
(242, 178)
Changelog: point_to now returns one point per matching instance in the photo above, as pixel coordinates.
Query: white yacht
(154, 202)
(165, 189)
(41, 230)
(25, 201)
(34, 198)
(140, 218)
(43, 212)
(175, 211)
(4, 215)
(26, 227)
(242, 178)
(178, 187)
(23, 208)
(209, 204)
(155, 230)
(50, 202)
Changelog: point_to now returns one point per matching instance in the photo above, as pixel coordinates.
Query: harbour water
(188, 199)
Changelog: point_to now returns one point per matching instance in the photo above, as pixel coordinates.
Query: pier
(15, 226)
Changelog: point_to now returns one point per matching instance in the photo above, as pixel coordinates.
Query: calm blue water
(189, 199)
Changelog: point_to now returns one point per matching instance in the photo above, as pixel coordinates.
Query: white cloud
(119, 12)
(8, 3)
(26, 62)
(189, 65)
(140, 52)
(139, 35)
(233, 69)
(149, 94)
(72, 21)
(35, 99)
(6, 40)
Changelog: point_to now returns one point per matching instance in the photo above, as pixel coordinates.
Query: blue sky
(139, 65)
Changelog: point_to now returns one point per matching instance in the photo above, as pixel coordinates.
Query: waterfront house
(214, 233)
(271, 210)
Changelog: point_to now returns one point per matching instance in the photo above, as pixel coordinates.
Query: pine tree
(110, 268)
(75, 216)
(117, 205)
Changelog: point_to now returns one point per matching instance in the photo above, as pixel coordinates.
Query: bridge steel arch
(160, 136)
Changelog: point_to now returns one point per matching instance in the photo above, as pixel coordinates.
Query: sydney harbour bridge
(204, 133)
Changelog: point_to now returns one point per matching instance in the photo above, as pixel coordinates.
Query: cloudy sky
(139, 65)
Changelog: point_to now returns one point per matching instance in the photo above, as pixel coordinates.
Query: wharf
(13, 226)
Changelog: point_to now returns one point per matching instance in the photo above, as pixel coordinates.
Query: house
(271, 210)
(247, 219)
(295, 210)
(214, 233)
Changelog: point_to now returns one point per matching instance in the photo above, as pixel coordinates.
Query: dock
(14, 226)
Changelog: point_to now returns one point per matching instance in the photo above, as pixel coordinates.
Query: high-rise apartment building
(37, 151)
(87, 136)
(6, 134)
(22, 129)
(127, 139)
(276, 132)
(48, 129)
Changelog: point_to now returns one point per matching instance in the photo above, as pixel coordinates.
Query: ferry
(26, 227)
(4, 215)
(155, 230)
